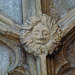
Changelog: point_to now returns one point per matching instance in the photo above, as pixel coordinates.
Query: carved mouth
(41, 41)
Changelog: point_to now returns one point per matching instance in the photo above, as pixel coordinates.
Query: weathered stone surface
(15, 48)
(12, 9)
(30, 8)
(57, 9)
(68, 22)
(65, 7)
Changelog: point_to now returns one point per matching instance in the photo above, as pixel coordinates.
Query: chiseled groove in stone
(14, 46)
(9, 28)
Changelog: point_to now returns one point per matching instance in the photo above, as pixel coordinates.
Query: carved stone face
(40, 34)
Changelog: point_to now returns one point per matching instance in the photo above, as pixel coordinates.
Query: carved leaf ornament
(40, 35)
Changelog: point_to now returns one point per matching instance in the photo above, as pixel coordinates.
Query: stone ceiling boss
(40, 35)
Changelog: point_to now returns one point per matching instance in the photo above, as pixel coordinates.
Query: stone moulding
(9, 35)
(8, 27)
(15, 49)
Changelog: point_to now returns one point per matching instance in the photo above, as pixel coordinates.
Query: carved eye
(45, 34)
(36, 32)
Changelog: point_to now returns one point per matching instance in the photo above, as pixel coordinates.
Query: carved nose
(40, 36)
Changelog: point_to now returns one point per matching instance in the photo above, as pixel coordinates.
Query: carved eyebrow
(45, 31)
(36, 30)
